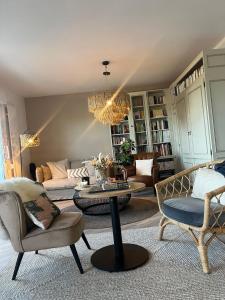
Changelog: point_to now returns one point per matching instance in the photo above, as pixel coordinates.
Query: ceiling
(50, 47)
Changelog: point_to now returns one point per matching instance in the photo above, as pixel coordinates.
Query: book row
(153, 100)
(163, 149)
(189, 80)
(160, 124)
(161, 136)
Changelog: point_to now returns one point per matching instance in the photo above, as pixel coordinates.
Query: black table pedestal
(119, 257)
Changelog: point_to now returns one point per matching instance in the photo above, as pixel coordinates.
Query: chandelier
(109, 107)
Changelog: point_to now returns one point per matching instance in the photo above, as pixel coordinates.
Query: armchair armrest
(155, 174)
(130, 171)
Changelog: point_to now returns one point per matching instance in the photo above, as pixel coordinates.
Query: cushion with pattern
(41, 211)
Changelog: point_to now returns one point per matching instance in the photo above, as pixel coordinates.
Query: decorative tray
(109, 187)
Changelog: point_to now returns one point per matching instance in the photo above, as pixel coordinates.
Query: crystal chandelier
(109, 107)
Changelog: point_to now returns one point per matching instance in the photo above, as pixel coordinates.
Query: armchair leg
(85, 241)
(203, 252)
(161, 227)
(76, 257)
(19, 258)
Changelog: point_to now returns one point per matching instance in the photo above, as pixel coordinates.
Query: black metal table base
(119, 257)
(133, 256)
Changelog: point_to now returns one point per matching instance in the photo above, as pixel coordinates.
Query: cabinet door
(198, 133)
(183, 128)
(214, 65)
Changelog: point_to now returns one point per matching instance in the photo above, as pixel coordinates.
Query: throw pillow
(91, 171)
(79, 172)
(207, 180)
(59, 169)
(144, 167)
(42, 211)
(46, 173)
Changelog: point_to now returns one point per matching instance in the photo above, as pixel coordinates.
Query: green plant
(125, 158)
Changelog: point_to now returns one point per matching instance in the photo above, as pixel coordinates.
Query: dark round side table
(119, 256)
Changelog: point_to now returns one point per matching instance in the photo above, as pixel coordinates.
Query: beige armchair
(204, 219)
(66, 229)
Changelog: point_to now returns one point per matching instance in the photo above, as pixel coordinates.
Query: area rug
(136, 210)
(173, 272)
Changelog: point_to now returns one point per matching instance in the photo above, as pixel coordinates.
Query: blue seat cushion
(188, 210)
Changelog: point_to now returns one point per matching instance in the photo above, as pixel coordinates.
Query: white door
(199, 135)
(183, 128)
(214, 65)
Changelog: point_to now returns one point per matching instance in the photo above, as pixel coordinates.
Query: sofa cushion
(46, 173)
(55, 184)
(79, 172)
(59, 168)
(188, 210)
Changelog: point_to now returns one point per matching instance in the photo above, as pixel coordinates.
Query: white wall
(18, 124)
(221, 44)
(67, 129)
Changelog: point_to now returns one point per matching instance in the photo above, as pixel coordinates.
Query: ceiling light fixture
(109, 107)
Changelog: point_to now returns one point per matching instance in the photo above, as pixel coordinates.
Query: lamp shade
(29, 140)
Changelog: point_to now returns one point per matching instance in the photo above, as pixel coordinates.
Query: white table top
(133, 187)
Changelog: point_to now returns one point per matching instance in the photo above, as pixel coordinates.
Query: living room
(111, 128)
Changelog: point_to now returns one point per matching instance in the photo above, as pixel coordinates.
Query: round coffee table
(119, 256)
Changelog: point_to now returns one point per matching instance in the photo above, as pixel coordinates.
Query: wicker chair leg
(203, 252)
(161, 227)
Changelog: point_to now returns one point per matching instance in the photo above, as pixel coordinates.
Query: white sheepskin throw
(26, 188)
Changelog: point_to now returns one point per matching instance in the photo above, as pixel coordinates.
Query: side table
(119, 256)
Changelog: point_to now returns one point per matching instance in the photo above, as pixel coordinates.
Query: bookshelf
(160, 132)
(118, 133)
(148, 126)
(138, 115)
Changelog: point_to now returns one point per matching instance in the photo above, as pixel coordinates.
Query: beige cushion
(207, 180)
(42, 211)
(65, 230)
(64, 183)
(144, 167)
(39, 174)
(46, 173)
(59, 168)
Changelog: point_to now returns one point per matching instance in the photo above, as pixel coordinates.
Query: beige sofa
(65, 183)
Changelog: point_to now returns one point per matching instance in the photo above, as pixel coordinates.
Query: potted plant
(125, 155)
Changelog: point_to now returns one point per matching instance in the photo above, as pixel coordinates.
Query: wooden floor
(6, 250)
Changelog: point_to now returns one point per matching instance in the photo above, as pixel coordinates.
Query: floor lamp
(27, 140)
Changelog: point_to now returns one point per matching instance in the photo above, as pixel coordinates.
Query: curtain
(6, 160)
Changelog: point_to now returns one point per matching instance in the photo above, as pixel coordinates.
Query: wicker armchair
(178, 188)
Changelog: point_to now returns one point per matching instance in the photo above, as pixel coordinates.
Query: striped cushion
(79, 172)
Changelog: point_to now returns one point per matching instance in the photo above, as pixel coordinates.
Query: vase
(101, 176)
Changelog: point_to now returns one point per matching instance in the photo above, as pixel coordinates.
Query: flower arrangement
(102, 162)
